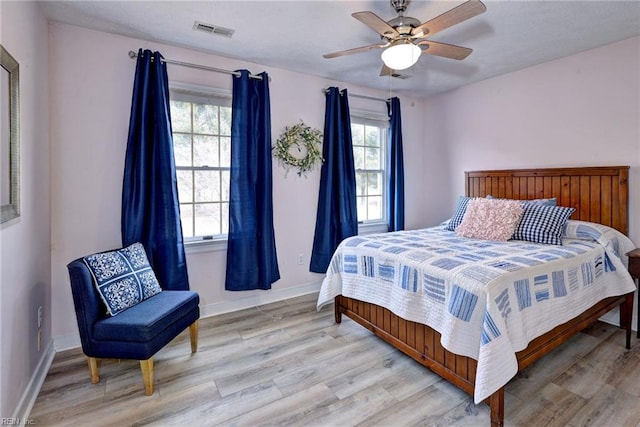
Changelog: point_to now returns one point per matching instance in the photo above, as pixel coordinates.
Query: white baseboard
(35, 383)
(69, 341)
(66, 342)
(261, 298)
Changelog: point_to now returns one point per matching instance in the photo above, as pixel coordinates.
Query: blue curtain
(150, 210)
(395, 166)
(252, 262)
(337, 216)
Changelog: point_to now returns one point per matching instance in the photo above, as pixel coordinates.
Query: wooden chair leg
(147, 375)
(193, 333)
(93, 370)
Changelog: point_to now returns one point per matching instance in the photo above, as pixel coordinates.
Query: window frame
(369, 118)
(215, 96)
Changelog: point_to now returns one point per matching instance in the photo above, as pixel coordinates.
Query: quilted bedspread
(487, 299)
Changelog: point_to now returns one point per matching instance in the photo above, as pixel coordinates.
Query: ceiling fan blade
(355, 50)
(376, 23)
(386, 71)
(458, 14)
(444, 49)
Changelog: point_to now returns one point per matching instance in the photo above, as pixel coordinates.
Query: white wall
(75, 98)
(91, 79)
(25, 242)
(567, 112)
(582, 110)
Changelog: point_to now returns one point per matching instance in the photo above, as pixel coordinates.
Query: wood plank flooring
(285, 364)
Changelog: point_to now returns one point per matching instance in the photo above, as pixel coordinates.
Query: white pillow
(490, 219)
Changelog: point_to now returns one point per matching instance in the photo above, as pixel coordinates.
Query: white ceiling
(293, 35)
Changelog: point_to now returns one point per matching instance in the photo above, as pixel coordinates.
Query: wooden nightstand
(634, 270)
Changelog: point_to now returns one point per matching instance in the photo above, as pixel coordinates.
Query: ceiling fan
(405, 38)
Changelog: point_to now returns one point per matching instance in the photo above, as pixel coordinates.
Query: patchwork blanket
(487, 299)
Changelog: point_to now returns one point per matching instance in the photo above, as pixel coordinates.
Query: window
(369, 138)
(201, 125)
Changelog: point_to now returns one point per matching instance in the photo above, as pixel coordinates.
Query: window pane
(207, 219)
(186, 217)
(373, 136)
(373, 158)
(202, 140)
(369, 158)
(374, 207)
(358, 157)
(225, 151)
(224, 186)
(205, 119)
(225, 121)
(224, 210)
(182, 149)
(180, 116)
(185, 186)
(362, 208)
(205, 150)
(361, 184)
(357, 134)
(215, 185)
(374, 184)
(204, 184)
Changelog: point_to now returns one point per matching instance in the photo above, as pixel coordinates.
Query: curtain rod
(355, 95)
(133, 54)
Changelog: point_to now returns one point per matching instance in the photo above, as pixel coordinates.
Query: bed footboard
(422, 343)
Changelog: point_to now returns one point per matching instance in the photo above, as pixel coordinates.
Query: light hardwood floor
(285, 364)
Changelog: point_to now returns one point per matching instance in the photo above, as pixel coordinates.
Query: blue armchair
(137, 332)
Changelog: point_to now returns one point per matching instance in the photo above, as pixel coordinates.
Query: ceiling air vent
(212, 29)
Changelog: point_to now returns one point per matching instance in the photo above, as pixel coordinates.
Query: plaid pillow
(544, 202)
(461, 208)
(547, 202)
(542, 224)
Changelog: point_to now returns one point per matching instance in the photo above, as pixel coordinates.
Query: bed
(598, 194)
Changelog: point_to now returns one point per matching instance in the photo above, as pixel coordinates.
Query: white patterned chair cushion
(123, 277)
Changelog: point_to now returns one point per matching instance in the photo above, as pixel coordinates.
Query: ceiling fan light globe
(401, 56)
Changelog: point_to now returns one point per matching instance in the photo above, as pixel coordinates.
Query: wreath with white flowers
(299, 147)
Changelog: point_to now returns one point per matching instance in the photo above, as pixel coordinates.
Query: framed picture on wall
(9, 137)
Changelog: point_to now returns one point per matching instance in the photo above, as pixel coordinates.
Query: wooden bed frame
(599, 194)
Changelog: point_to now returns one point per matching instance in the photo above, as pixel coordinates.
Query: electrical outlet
(300, 258)
(39, 317)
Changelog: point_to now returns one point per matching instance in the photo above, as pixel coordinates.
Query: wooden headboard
(599, 194)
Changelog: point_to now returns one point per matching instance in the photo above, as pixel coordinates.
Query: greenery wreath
(299, 147)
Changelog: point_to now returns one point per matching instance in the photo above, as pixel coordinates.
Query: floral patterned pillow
(123, 277)
(490, 219)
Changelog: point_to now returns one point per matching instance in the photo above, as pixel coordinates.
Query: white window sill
(199, 246)
(214, 245)
(372, 228)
